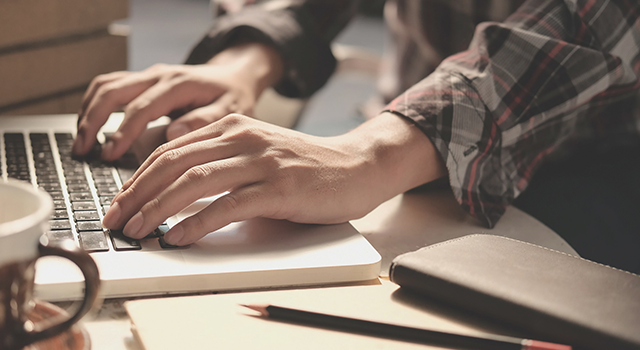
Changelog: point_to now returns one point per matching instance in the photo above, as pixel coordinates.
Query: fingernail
(176, 130)
(134, 225)
(107, 149)
(112, 216)
(77, 144)
(174, 235)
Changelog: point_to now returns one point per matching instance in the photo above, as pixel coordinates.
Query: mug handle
(69, 250)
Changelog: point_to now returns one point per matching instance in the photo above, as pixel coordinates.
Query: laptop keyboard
(82, 190)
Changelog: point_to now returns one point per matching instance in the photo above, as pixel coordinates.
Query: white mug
(24, 219)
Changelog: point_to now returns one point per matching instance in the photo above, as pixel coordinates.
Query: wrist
(400, 155)
(258, 64)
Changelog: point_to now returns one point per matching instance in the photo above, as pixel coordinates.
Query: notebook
(219, 321)
(253, 254)
(551, 295)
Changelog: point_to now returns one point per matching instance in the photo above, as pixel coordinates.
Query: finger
(158, 100)
(200, 117)
(194, 137)
(108, 98)
(96, 83)
(212, 131)
(161, 174)
(242, 204)
(194, 184)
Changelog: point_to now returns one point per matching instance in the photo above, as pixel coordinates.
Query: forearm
(500, 109)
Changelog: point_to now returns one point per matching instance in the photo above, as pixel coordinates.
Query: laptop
(254, 254)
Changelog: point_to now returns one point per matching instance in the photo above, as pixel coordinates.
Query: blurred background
(51, 49)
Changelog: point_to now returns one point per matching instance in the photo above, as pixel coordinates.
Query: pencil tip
(262, 309)
(540, 345)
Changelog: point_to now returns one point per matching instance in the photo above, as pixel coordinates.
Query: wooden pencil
(418, 335)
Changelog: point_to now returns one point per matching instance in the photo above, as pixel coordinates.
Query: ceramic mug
(24, 218)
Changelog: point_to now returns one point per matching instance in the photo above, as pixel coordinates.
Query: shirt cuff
(452, 116)
(308, 61)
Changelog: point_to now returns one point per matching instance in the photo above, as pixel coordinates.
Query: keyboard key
(160, 231)
(164, 244)
(106, 200)
(14, 136)
(15, 167)
(50, 187)
(22, 176)
(59, 235)
(80, 196)
(78, 188)
(57, 196)
(102, 172)
(72, 171)
(83, 206)
(59, 225)
(121, 242)
(60, 214)
(89, 226)
(48, 178)
(76, 178)
(43, 160)
(107, 190)
(87, 215)
(93, 241)
(106, 180)
(59, 204)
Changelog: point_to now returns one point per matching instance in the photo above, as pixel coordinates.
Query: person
(549, 91)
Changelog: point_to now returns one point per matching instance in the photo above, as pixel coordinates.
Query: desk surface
(427, 216)
(402, 224)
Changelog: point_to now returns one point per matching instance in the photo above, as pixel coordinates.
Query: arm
(554, 74)
(490, 146)
(229, 82)
(278, 43)
(273, 172)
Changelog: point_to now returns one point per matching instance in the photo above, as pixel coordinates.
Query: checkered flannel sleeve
(554, 74)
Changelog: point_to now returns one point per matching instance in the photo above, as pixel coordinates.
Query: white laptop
(254, 254)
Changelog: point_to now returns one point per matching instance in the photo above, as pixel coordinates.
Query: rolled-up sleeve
(301, 32)
(556, 73)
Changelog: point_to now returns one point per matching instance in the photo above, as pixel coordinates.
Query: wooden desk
(404, 223)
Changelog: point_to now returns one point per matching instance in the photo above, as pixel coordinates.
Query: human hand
(270, 172)
(230, 82)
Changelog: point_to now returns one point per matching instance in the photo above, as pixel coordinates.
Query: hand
(271, 172)
(230, 82)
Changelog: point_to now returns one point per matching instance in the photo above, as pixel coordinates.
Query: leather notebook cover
(553, 295)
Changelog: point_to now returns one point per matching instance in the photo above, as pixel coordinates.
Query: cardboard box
(52, 69)
(58, 104)
(29, 21)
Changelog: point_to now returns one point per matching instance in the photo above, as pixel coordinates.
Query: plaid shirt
(552, 76)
